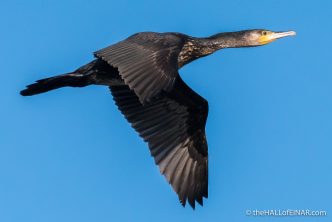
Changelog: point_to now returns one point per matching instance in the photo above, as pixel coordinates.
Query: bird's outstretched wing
(174, 127)
(147, 62)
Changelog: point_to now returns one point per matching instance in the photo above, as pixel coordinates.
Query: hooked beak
(278, 35)
(272, 36)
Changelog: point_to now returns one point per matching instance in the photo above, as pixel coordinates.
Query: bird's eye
(264, 33)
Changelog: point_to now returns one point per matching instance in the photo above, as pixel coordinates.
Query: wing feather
(146, 60)
(174, 127)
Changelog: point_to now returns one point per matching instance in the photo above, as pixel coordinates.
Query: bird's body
(142, 73)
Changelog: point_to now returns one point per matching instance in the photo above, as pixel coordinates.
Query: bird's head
(246, 38)
(259, 37)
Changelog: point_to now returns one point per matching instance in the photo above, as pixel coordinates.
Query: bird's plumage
(142, 73)
(174, 127)
(147, 62)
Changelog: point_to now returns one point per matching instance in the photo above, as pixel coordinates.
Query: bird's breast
(191, 51)
(186, 54)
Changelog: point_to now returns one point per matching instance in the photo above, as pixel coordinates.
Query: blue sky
(69, 155)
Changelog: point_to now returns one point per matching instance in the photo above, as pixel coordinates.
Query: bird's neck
(223, 40)
(196, 48)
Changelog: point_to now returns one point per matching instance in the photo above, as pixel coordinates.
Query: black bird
(142, 74)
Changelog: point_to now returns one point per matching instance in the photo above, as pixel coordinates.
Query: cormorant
(142, 74)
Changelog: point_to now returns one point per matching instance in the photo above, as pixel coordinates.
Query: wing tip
(192, 203)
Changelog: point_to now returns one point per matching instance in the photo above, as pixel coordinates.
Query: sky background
(69, 155)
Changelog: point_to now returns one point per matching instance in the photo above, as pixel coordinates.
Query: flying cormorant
(142, 74)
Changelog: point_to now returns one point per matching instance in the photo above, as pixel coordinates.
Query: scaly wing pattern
(147, 62)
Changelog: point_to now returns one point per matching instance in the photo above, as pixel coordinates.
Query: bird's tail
(45, 85)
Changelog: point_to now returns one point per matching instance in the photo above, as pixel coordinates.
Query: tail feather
(45, 85)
